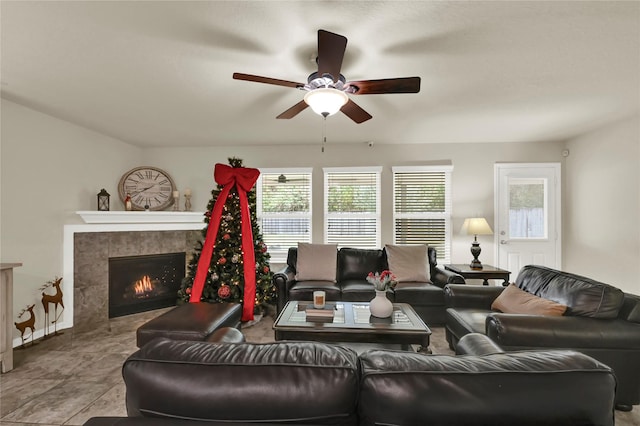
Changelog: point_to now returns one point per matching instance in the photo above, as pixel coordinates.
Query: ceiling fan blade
(294, 110)
(354, 112)
(331, 49)
(266, 80)
(387, 85)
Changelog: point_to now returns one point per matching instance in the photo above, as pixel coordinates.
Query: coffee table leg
(425, 350)
(424, 347)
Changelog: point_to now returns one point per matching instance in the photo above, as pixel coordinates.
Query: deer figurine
(30, 323)
(56, 299)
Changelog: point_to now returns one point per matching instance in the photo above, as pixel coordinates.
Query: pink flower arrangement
(382, 281)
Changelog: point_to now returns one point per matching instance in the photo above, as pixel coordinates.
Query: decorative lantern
(103, 200)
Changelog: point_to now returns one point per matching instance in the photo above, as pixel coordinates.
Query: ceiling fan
(328, 90)
(286, 179)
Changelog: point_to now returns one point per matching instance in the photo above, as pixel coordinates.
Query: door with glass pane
(527, 215)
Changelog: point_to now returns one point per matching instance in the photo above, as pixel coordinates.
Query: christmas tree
(222, 278)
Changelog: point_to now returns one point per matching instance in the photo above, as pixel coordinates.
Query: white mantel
(117, 221)
(141, 217)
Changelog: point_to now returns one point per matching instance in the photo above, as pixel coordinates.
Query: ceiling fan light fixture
(326, 101)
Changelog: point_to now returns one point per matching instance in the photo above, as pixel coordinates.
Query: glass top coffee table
(352, 323)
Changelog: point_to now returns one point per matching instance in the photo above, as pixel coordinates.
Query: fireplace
(143, 283)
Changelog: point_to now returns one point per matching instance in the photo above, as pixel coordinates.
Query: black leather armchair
(353, 266)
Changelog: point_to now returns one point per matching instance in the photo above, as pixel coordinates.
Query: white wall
(472, 174)
(49, 169)
(602, 205)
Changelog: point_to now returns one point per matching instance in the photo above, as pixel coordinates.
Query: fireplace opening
(143, 283)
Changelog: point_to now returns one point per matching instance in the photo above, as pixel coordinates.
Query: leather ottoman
(190, 321)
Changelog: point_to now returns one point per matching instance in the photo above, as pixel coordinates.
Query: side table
(486, 273)
(6, 315)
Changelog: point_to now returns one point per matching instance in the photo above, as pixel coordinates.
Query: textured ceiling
(159, 73)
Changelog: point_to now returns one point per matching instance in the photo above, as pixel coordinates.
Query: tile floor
(66, 379)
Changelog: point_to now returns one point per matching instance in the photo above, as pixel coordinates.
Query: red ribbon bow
(244, 179)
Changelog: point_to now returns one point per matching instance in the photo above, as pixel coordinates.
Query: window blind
(422, 207)
(284, 210)
(352, 207)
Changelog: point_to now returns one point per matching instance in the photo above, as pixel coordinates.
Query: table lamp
(476, 226)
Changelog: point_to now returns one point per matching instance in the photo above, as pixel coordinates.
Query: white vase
(380, 306)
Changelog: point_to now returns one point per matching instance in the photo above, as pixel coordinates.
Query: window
(284, 209)
(422, 207)
(352, 206)
(527, 209)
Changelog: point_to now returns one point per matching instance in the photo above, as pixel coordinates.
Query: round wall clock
(148, 187)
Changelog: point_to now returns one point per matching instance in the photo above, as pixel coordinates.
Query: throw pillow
(513, 300)
(408, 262)
(316, 262)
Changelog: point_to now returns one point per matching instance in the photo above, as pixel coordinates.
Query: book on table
(325, 313)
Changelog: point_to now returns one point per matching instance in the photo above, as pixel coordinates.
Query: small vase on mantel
(380, 306)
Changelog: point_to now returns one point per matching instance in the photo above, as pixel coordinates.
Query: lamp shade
(326, 101)
(476, 226)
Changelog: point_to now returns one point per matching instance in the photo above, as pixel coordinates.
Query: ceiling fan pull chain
(324, 132)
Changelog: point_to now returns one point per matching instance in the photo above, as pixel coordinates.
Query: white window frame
(280, 256)
(327, 171)
(446, 215)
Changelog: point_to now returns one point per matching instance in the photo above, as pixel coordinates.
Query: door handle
(503, 241)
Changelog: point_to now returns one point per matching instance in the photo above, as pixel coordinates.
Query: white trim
(280, 170)
(364, 169)
(405, 169)
(140, 217)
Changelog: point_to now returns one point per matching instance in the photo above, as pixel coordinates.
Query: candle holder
(176, 202)
(187, 202)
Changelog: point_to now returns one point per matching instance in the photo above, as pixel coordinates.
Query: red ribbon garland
(244, 179)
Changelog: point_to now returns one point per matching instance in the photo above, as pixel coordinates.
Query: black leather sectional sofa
(601, 321)
(353, 266)
(171, 382)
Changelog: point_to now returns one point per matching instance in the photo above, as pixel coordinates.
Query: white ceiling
(158, 73)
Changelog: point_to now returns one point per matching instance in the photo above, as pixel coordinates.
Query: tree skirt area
(256, 319)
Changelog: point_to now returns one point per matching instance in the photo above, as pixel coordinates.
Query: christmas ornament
(224, 291)
(214, 277)
(222, 261)
(265, 269)
(188, 290)
(235, 258)
(226, 236)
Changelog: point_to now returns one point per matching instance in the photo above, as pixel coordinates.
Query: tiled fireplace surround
(92, 245)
